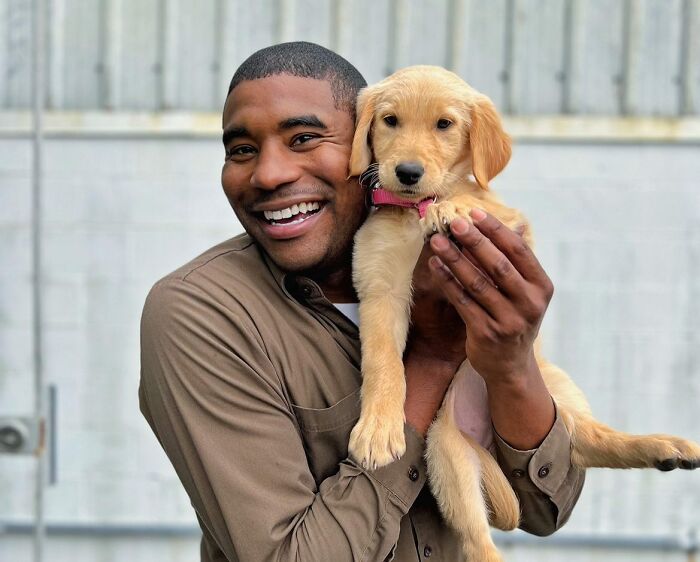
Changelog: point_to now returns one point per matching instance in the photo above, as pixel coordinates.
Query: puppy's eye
(443, 123)
(391, 120)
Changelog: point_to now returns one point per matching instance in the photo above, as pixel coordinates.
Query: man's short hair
(306, 60)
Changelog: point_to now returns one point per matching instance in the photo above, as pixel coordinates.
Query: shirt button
(543, 472)
(413, 473)
(517, 473)
(306, 291)
(427, 551)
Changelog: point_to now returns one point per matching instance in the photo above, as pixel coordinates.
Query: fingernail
(439, 242)
(459, 226)
(435, 262)
(478, 214)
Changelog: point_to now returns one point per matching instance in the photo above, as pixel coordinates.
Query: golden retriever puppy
(421, 135)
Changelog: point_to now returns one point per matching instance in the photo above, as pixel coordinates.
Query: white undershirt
(350, 310)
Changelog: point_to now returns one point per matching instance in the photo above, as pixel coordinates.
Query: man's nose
(275, 166)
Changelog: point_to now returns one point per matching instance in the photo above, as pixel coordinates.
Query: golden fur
(466, 480)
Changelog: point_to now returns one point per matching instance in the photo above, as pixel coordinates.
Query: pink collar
(381, 196)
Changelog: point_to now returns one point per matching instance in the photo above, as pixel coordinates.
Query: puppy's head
(425, 128)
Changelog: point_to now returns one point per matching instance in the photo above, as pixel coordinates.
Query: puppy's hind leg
(457, 469)
(597, 445)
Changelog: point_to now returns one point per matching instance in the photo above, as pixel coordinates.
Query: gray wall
(617, 227)
(610, 57)
(128, 197)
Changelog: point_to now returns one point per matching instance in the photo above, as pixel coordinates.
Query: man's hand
(435, 347)
(501, 293)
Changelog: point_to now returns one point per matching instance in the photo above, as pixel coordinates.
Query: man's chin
(302, 251)
(297, 263)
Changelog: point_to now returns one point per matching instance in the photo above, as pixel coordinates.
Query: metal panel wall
(81, 40)
(617, 228)
(138, 54)
(15, 52)
(609, 57)
(479, 50)
(597, 57)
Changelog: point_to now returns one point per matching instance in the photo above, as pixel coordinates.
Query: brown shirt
(250, 380)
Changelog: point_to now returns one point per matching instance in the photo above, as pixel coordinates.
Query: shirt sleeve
(546, 483)
(211, 396)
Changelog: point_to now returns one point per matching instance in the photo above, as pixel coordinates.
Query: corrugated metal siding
(597, 58)
(15, 52)
(617, 229)
(609, 57)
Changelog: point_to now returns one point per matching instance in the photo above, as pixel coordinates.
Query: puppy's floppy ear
(361, 156)
(489, 143)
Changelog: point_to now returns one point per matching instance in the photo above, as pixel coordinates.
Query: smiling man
(287, 151)
(250, 357)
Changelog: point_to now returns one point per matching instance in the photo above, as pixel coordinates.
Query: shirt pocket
(326, 432)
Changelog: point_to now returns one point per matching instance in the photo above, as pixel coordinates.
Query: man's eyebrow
(302, 121)
(234, 133)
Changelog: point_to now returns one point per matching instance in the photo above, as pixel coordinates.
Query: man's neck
(336, 282)
(337, 286)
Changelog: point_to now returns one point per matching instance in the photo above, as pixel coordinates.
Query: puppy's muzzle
(409, 172)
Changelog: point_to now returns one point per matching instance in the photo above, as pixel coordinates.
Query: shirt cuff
(545, 468)
(405, 477)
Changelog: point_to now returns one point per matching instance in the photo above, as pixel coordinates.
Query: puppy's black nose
(409, 172)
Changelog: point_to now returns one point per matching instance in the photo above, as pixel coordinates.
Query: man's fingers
(477, 285)
(480, 249)
(510, 244)
(468, 309)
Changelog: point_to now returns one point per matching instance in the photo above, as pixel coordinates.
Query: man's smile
(292, 214)
(286, 221)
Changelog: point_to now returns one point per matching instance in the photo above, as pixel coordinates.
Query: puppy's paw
(377, 440)
(675, 452)
(438, 217)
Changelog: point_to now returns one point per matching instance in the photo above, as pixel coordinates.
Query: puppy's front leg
(439, 215)
(386, 251)
(378, 437)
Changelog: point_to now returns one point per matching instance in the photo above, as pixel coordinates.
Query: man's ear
(489, 143)
(361, 156)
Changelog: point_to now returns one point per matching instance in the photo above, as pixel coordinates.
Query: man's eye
(391, 120)
(240, 151)
(303, 138)
(443, 123)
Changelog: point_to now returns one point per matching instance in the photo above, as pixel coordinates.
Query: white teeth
(289, 212)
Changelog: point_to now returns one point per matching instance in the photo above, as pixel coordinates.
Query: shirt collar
(297, 287)
(306, 292)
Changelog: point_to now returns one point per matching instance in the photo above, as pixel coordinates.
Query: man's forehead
(281, 93)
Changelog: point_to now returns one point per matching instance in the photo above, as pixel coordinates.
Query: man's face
(285, 174)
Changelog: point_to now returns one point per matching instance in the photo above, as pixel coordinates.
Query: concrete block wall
(617, 228)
